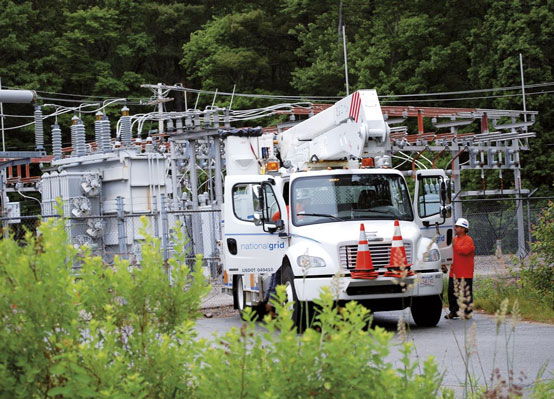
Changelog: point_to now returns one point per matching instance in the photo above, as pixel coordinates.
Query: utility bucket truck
(294, 203)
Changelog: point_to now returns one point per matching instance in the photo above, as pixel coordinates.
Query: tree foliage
(288, 47)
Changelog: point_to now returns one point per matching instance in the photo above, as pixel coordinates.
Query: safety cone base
(399, 272)
(364, 274)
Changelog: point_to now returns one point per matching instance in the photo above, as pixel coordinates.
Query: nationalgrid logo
(262, 246)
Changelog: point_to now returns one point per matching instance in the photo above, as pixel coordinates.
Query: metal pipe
(165, 239)
(121, 227)
(160, 109)
(437, 156)
(523, 89)
(232, 96)
(17, 96)
(420, 128)
(456, 157)
(519, 208)
(174, 183)
(414, 161)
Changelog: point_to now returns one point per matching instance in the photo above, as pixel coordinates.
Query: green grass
(489, 293)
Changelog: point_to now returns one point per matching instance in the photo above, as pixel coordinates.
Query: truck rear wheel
(239, 296)
(426, 310)
(239, 299)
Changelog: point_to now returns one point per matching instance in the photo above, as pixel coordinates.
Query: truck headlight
(433, 255)
(306, 261)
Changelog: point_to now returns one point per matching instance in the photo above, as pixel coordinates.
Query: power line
(313, 98)
(447, 93)
(467, 98)
(323, 98)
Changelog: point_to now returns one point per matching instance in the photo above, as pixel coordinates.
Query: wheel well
(285, 263)
(235, 289)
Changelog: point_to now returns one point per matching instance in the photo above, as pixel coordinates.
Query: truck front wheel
(426, 310)
(301, 311)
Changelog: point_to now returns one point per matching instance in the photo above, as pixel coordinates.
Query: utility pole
(345, 59)
(2, 118)
(523, 89)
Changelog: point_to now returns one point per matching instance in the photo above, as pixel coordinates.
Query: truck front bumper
(381, 288)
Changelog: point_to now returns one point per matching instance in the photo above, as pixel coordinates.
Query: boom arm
(353, 127)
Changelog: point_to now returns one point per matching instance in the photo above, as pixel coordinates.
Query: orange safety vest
(464, 254)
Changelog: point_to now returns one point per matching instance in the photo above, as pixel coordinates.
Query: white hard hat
(462, 223)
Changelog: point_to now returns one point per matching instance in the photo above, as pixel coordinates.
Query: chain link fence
(493, 228)
(494, 224)
(122, 235)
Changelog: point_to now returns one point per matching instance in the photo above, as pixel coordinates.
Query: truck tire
(239, 300)
(300, 309)
(426, 310)
(239, 296)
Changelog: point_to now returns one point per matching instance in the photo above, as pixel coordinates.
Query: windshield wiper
(325, 215)
(370, 210)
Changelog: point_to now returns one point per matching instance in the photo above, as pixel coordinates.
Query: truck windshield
(326, 199)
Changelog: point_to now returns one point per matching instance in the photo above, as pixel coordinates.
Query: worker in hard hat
(460, 281)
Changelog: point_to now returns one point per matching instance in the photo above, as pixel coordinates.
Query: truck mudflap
(346, 288)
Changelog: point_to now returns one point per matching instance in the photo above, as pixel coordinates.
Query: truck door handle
(232, 246)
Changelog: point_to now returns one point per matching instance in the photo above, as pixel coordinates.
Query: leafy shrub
(115, 331)
(121, 331)
(539, 273)
(335, 358)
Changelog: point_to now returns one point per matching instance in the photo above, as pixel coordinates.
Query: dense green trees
(110, 47)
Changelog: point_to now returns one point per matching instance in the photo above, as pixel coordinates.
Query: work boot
(270, 310)
(451, 316)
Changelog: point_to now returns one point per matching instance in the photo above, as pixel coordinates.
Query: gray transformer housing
(95, 189)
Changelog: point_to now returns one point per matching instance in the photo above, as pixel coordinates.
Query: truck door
(255, 234)
(433, 209)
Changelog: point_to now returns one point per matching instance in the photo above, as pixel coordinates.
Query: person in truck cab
(300, 207)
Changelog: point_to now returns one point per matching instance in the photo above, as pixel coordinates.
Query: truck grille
(380, 255)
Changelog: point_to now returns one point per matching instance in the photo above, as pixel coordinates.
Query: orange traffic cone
(398, 264)
(364, 264)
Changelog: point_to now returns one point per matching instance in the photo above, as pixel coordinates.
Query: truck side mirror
(280, 225)
(443, 192)
(261, 196)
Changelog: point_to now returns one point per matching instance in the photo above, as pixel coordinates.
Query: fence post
(164, 227)
(122, 236)
(521, 253)
(528, 246)
(4, 200)
(155, 217)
